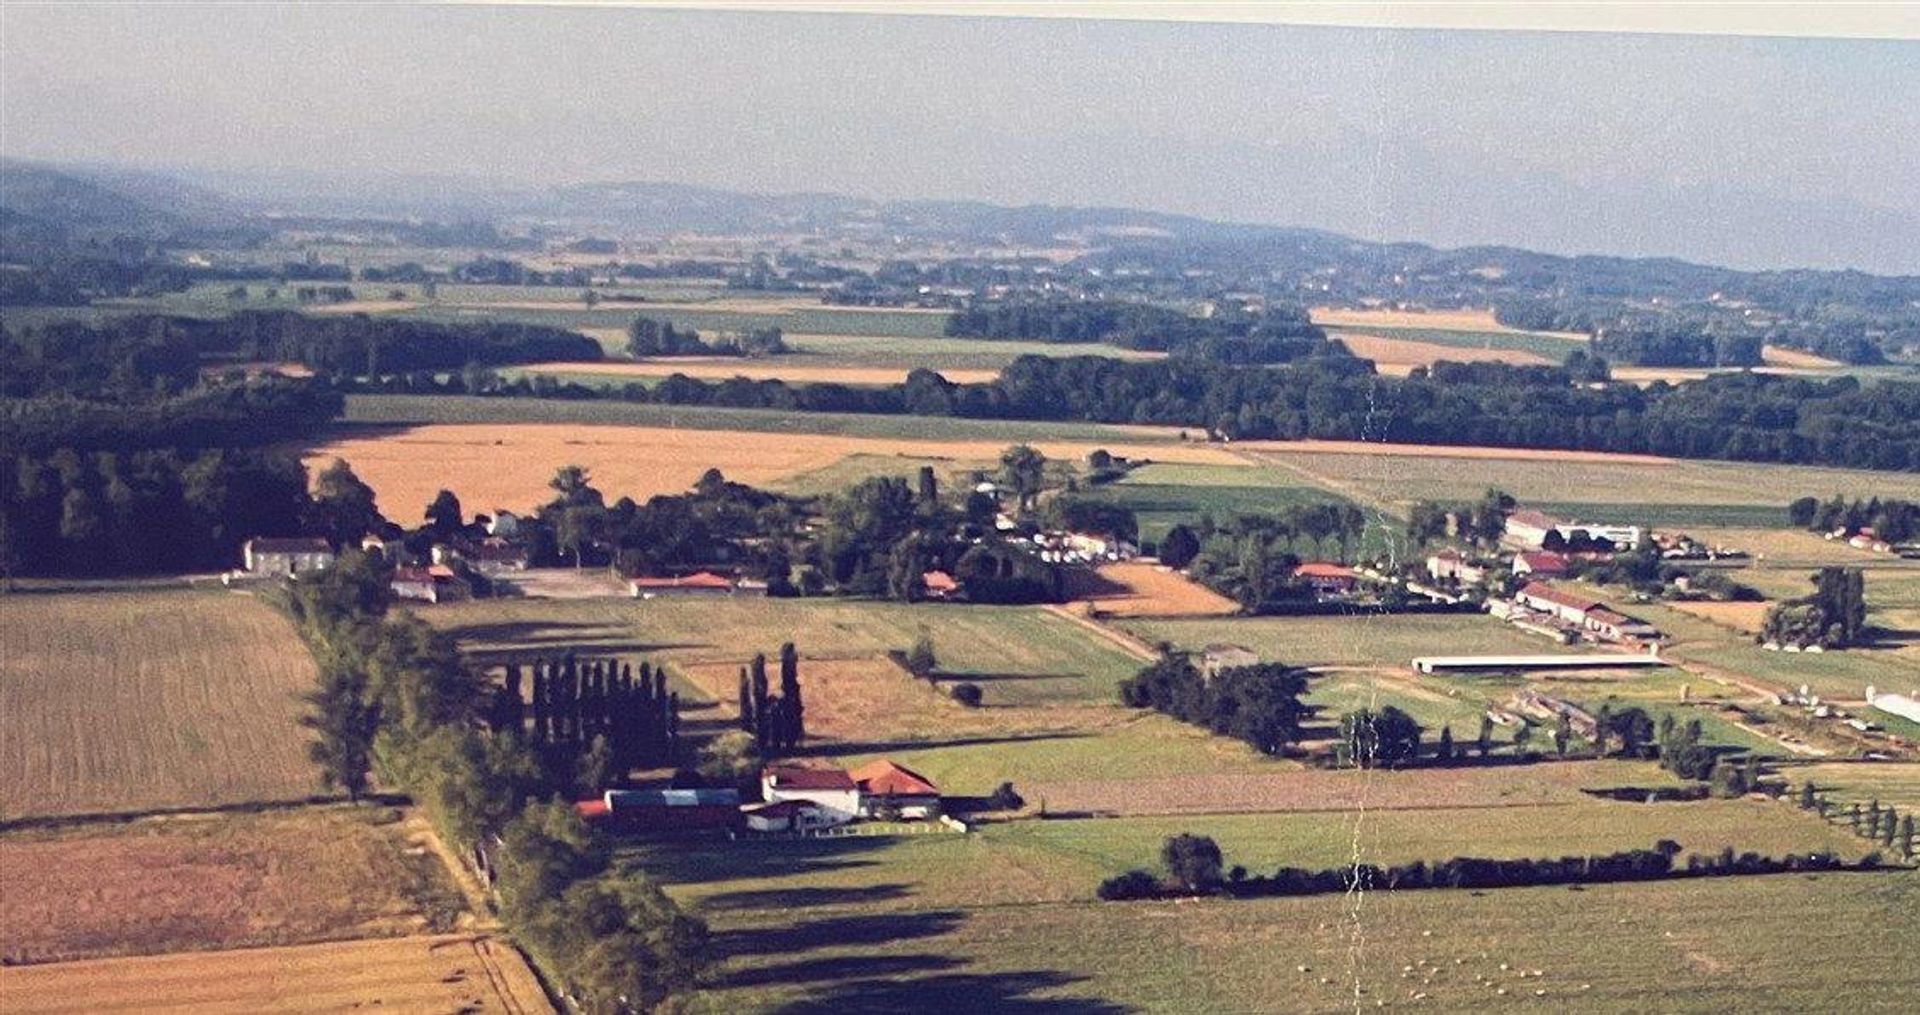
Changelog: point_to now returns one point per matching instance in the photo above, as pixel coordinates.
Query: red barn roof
(592, 809)
(1541, 590)
(1323, 569)
(1545, 560)
(796, 777)
(884, 778)
(697, 580)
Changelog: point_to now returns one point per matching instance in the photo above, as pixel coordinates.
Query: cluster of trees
(1194, 866)
(1893, 519)
(1677, 347)
(1251, 558)
(143, 512)
(1382, 738)
(1258, 704)
(1834, 616)
(615, 940)
(1739, 416)
(648, 338)
(1481, 523)
(394, 696)
(778, 722)
(589, 721)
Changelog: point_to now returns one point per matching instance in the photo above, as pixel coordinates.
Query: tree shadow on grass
(749, 858)
(864, 929)
(795, 898)
(837, 968)
(844, 747)
(969, 992)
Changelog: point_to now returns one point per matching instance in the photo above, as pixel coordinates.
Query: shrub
(967, 694)
(1134, 884)
(1005, 798)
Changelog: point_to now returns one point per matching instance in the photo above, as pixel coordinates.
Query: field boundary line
(244, 807)
(1128, 643)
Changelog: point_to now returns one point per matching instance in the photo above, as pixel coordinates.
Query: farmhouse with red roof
(891, 788)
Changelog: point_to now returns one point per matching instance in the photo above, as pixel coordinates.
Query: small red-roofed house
(832, 790)
(1540, 564)
(889, 787)
(700, 583)
(1326, 578)
(939, 585)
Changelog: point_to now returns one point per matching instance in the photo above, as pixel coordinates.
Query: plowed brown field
(1138, 589)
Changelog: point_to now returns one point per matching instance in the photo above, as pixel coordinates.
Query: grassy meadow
(130, 701)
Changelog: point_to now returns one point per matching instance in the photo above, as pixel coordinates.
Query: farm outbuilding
(1606, 661)
(885, 786)
(284, 557)
(832, 790)
(664, 810)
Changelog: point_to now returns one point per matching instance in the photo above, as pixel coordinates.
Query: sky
(1749, 152)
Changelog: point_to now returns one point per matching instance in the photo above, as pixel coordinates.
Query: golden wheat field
(127, 701)
(492, 466)
(1444, 320)
(1137, 589)
(1398, 356)
(472, 973)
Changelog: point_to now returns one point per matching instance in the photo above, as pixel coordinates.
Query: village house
(939, 585)
(1327, 579)
(1530, 528)
(1451, 565)
(887, 788)
(1589, 615)
(1541, 564)
(1221, 656)
(436, 583)
(266, 556)
(787, 816)
(700, 583)
(830, 790)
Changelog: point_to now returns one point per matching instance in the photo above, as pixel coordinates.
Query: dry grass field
(127, 701)
(1137, 589)
(223, 881)
(724, 368)
(508, 465)
(1779, 355)
(1745, 617)
(1398, 356)
(1441, 320)
(422, 975)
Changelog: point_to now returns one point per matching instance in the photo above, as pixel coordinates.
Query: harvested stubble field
(436, 974)
(1398, 356)
(1892, 783)
(1137, 589)
(190, 883)
(1470, 320)
(508, 466)
(131, 701)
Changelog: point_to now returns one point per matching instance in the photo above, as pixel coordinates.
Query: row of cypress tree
(777, 721)
(572, 702)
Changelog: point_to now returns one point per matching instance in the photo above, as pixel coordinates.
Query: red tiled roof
(795, 777)
(590, 809)
(1322, 569)
(1545, 560)
(1541, 590)
(939, 581)
(697, 580)
(884, 778)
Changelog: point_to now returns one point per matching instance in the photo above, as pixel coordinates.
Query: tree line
(1834, 615)
(1193, 866)
(1736, 416)
(591, 720)
(393, 696)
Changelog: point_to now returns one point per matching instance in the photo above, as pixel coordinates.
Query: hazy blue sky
(1752, 152)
